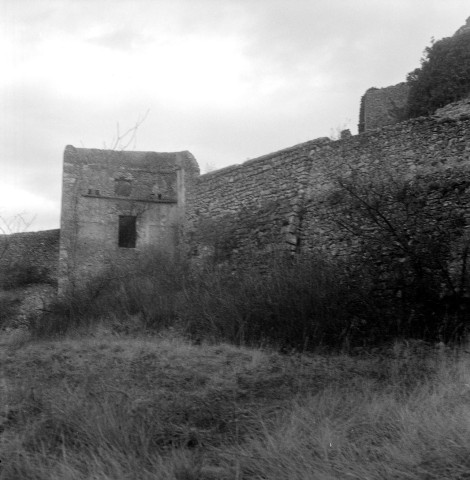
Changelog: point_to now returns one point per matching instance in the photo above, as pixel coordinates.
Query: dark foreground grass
(160, 408)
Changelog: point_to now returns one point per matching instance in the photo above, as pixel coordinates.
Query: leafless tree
(412, 237)
(10, 225)
(122, 141)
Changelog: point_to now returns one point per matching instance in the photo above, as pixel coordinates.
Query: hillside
(116, 408)
(232, 358)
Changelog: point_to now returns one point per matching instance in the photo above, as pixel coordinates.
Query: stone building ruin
(383, 106)
(115, 204)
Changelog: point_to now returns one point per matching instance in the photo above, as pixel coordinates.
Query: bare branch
(8, 226)
(123, 140)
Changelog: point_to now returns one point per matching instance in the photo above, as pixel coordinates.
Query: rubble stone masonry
(116, 205)
(36, 251)
(384, 106)
(281, 200)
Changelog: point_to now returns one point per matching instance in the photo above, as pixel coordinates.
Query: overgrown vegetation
(408, 278)
(117, 408)
(9, 302)
(17, 271)
(296, 302)
(413, 245)
(21, 273)
(444, 75)
(123, 394)
(299, 303)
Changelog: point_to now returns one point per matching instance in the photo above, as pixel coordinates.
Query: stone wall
(438, 149)
(252, 207)
(282, 200)
(454, 111)
(33, 255)
(117, 204)
(383, 106)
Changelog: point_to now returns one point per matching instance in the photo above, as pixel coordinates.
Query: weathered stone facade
(34, 254)
(383, 106)
(254, 206)
(431, 148)
(281, 200)
(116, 204)
(386, 106)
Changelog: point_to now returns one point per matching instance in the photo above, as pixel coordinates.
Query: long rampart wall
(29, 255)
(281, 200)
(437, 149)
(253, 206)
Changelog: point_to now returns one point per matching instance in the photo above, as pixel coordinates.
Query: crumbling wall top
(130, 159)
(383, 106)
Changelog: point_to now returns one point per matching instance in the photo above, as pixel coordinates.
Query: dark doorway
(127, 231)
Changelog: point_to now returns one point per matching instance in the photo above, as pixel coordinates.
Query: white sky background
(227, 80)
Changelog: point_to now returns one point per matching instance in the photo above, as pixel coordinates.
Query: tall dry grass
(120, 408)
(297, 303)
(293, 302)
(360, 431)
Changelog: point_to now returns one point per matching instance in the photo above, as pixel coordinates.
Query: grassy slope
(122, 408)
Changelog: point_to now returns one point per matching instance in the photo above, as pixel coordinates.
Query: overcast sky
(227, 80)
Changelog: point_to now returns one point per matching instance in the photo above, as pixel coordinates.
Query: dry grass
(361, 432)
(122, 408)
(297, 303)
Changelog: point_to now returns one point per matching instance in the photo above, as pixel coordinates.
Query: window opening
(127, 231)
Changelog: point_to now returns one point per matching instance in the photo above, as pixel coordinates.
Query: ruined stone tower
(116, 204)
(383, 106)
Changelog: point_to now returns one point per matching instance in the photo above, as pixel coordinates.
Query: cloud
(20, 209)
(121, 39)
(225, 79)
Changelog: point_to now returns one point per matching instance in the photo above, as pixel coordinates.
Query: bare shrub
(14, 271)
(412, 242)
(132, 298)
(9, 302)
(295, 303)
(21, 273)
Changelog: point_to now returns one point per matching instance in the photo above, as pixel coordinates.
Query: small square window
(127, 231)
